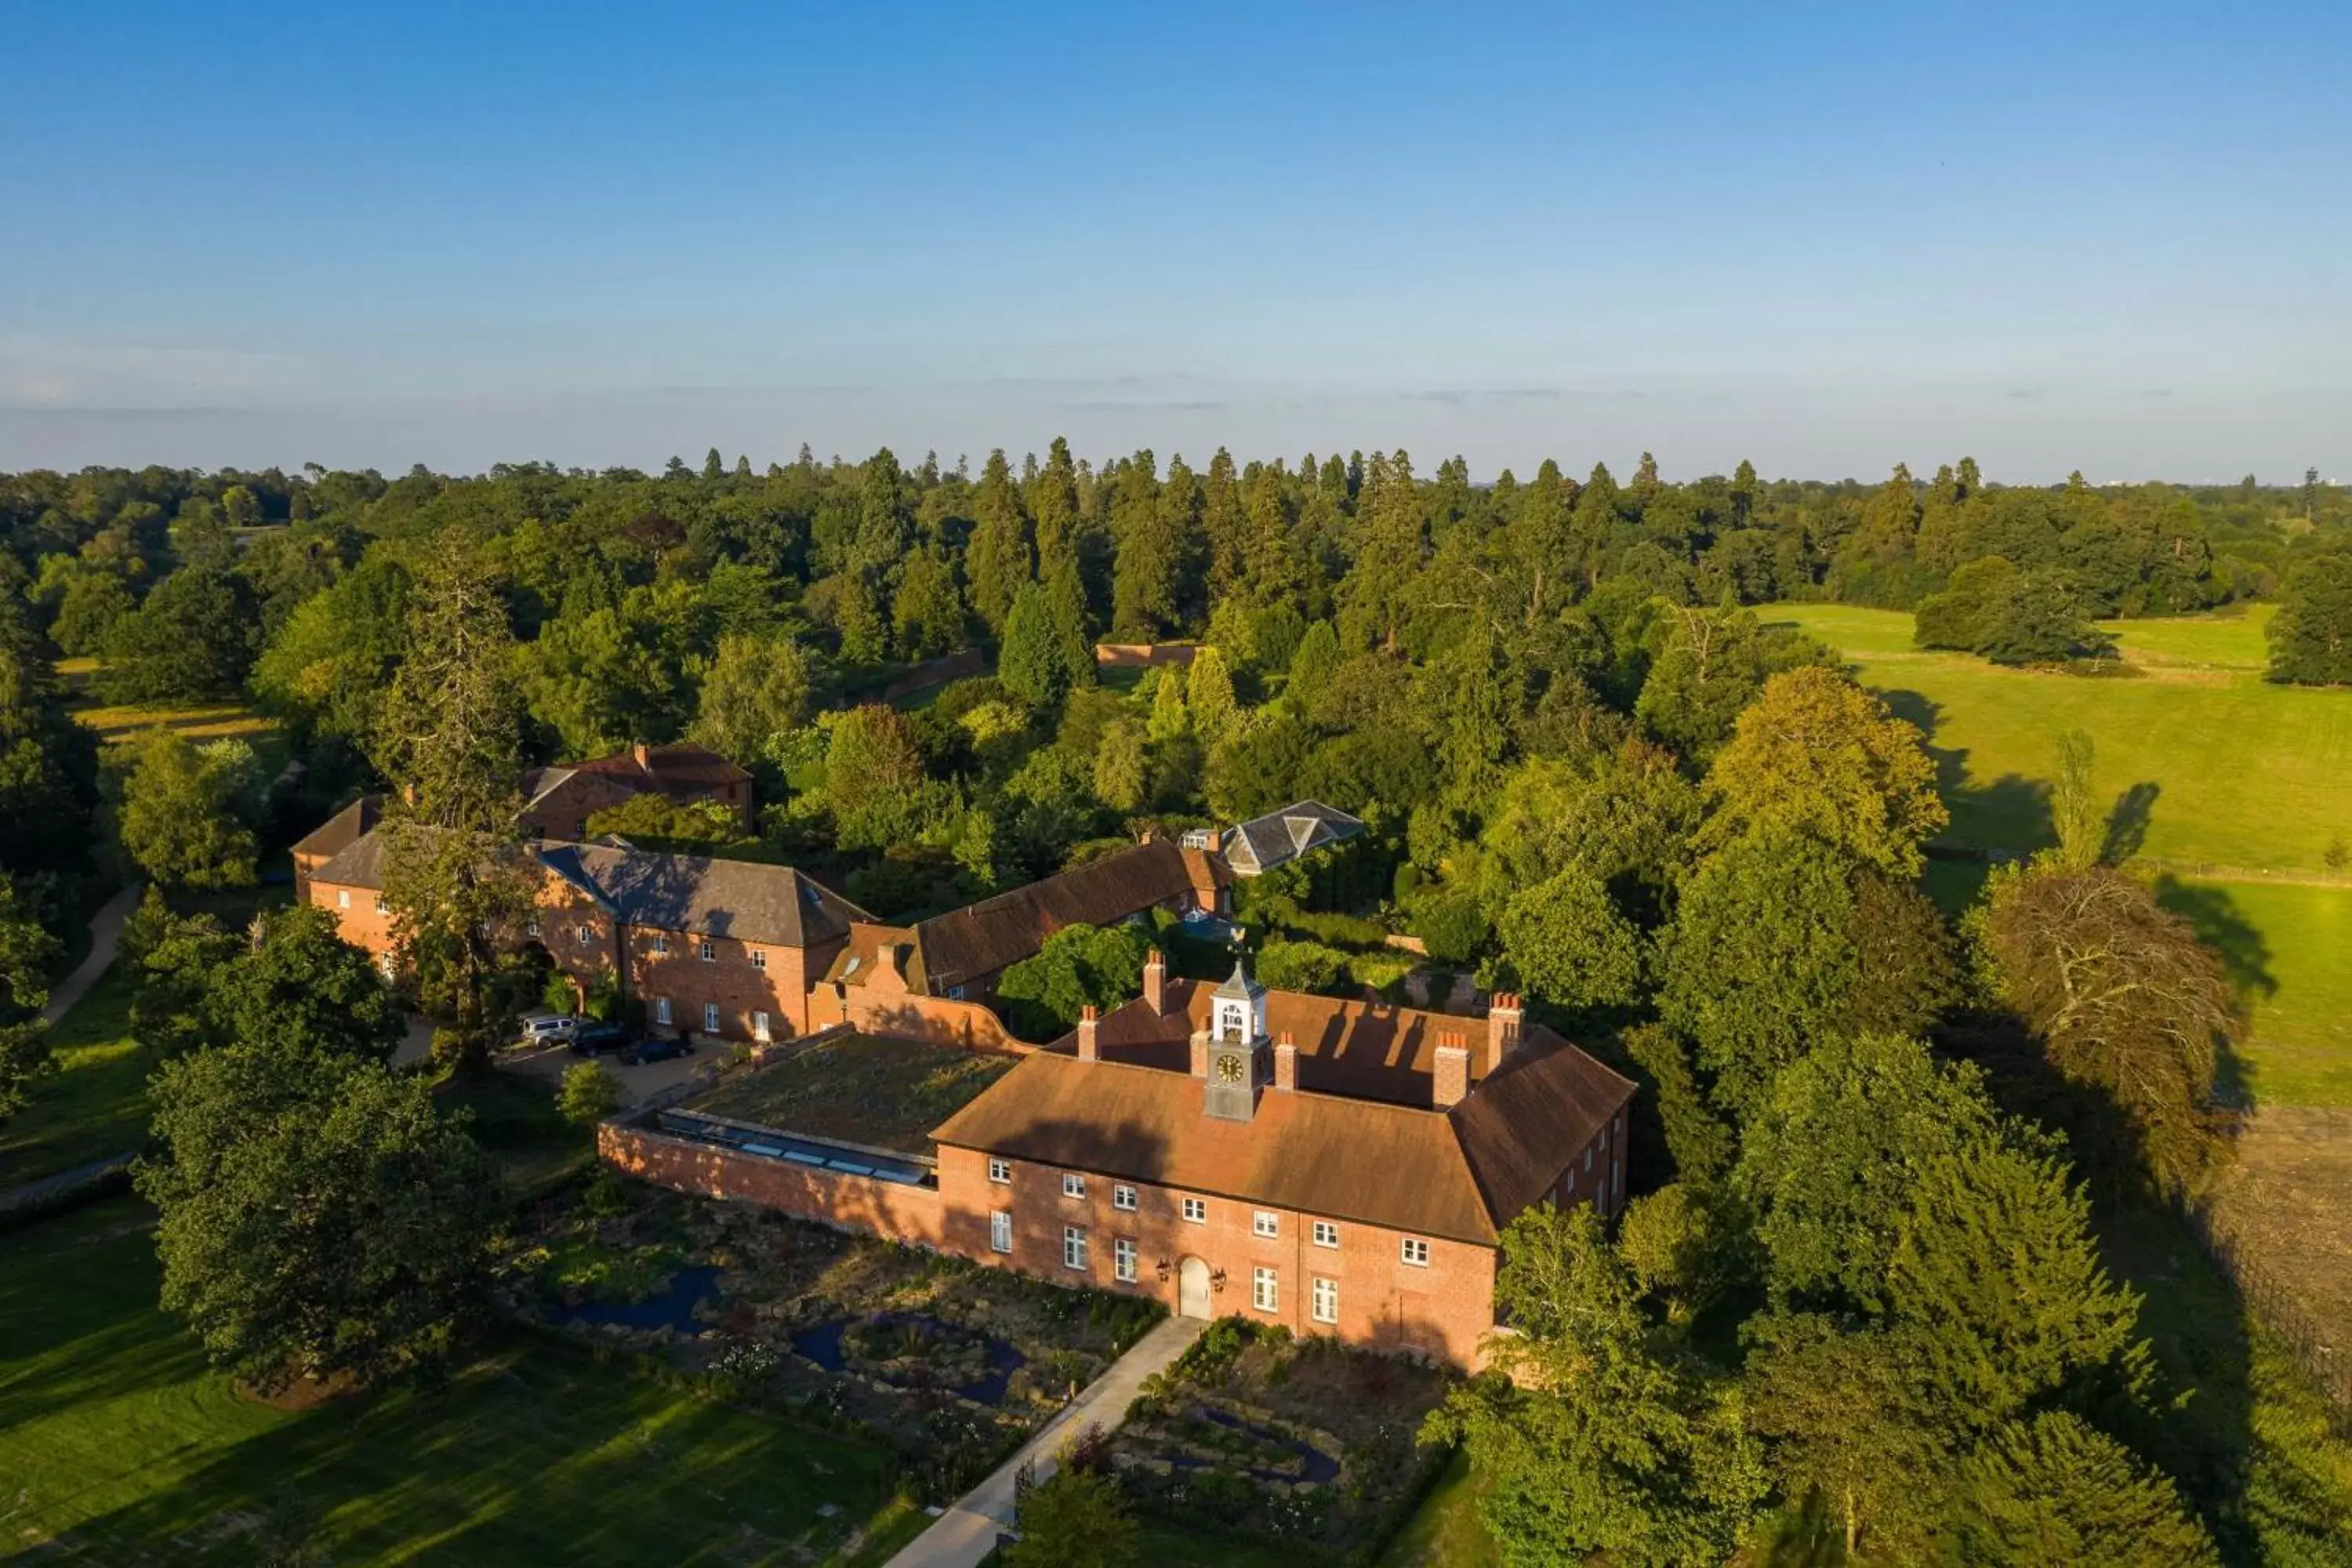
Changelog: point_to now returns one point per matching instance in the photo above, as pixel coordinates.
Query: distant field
(2246, 773)
(119, 1445)
(2232, 772)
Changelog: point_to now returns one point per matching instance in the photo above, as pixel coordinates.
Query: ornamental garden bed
(1259, 1434)
(949, 1362)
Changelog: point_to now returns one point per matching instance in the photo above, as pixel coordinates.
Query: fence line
(2309, 1341)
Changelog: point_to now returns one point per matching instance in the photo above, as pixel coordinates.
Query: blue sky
(1826, 238)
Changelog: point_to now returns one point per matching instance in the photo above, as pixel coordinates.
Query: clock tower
(1238, 1050)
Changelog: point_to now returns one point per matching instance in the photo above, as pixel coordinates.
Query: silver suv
(548, 1029)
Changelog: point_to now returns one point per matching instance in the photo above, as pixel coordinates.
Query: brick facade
(1442, 1308)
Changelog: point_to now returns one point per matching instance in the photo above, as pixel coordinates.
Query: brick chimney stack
(1286, 1062)
(1503, 1017)
(1088, 1051)
(1452, 1076)
(1155, 984)
(1201, 1053)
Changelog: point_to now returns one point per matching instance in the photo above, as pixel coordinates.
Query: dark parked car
(599, 1039)
(656, 1049)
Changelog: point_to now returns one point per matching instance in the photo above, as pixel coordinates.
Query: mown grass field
(2246, 774)
(95, 1104)
(119, 1445)
(2228, 770)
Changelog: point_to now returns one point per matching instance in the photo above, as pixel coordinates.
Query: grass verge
(121, 1446)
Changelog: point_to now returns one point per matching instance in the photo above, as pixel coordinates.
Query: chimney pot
(1503, 1019)
(1155, 984)
(1451, 1078)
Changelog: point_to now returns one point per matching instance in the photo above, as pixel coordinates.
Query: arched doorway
(1193, 1289)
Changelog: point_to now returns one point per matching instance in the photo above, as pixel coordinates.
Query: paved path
(47, 1187)
(967, 1531)
(105, 939)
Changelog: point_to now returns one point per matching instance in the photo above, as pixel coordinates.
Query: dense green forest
(1862, 1280)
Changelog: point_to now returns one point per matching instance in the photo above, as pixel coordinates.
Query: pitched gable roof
(1322, 1155)
(1358, 1139)
(692, 893)
(681, 766)
(343, 829)
(957, 948)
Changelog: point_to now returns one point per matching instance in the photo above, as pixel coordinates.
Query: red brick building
(722, 948)
(1341, 1168)
(560, 800)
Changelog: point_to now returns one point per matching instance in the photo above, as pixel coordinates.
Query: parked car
(659, 1049)
(597, 1039)
(548, 1029)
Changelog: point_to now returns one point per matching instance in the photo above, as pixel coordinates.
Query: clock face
(1230, 1070)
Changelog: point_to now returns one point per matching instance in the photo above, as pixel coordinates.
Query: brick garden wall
(903, 1015)
(861, 1203)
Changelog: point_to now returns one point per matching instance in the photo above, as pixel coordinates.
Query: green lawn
(2290, 950)
(118, 1442)
(95, 1104)
(2228, 770)
(2246, 773)
(1445, 1532)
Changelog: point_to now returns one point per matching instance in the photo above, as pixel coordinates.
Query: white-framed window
(388, 965)
(530, 926)
(1000, 1231)
(760, 1025)
(1326, 1303)
(1074, 1247)
(710, 953)
(1196, 1210)
(342, 898)
(1122, 1260)
(1414, 1251)
(710, 1017)
(661, 1009)
(587, 937)
(661, 944)
(381, 907)
(1588, 1161)
(759, 958)
(1001, 1172)
(1326, 1234)
(1265, 1223)
(1265, 1289)
(1122, 1196)
(1073, 1185)
(1604, 1139)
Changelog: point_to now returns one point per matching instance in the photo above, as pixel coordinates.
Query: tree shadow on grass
(2128, 823)
(2245, 955)
(2009, 814)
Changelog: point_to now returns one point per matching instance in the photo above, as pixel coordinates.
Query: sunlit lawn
(95, 1104)
(2290, 950)
(119, 1444)
(2246, 773)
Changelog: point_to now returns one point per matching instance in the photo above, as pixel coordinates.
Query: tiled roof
(740, 899)
(962, 946)
(1321, 1154)
(359, 864)
(343, 829)
(679, 765)
(1369, 1049)
(1358, 1139)
(1280, 836)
